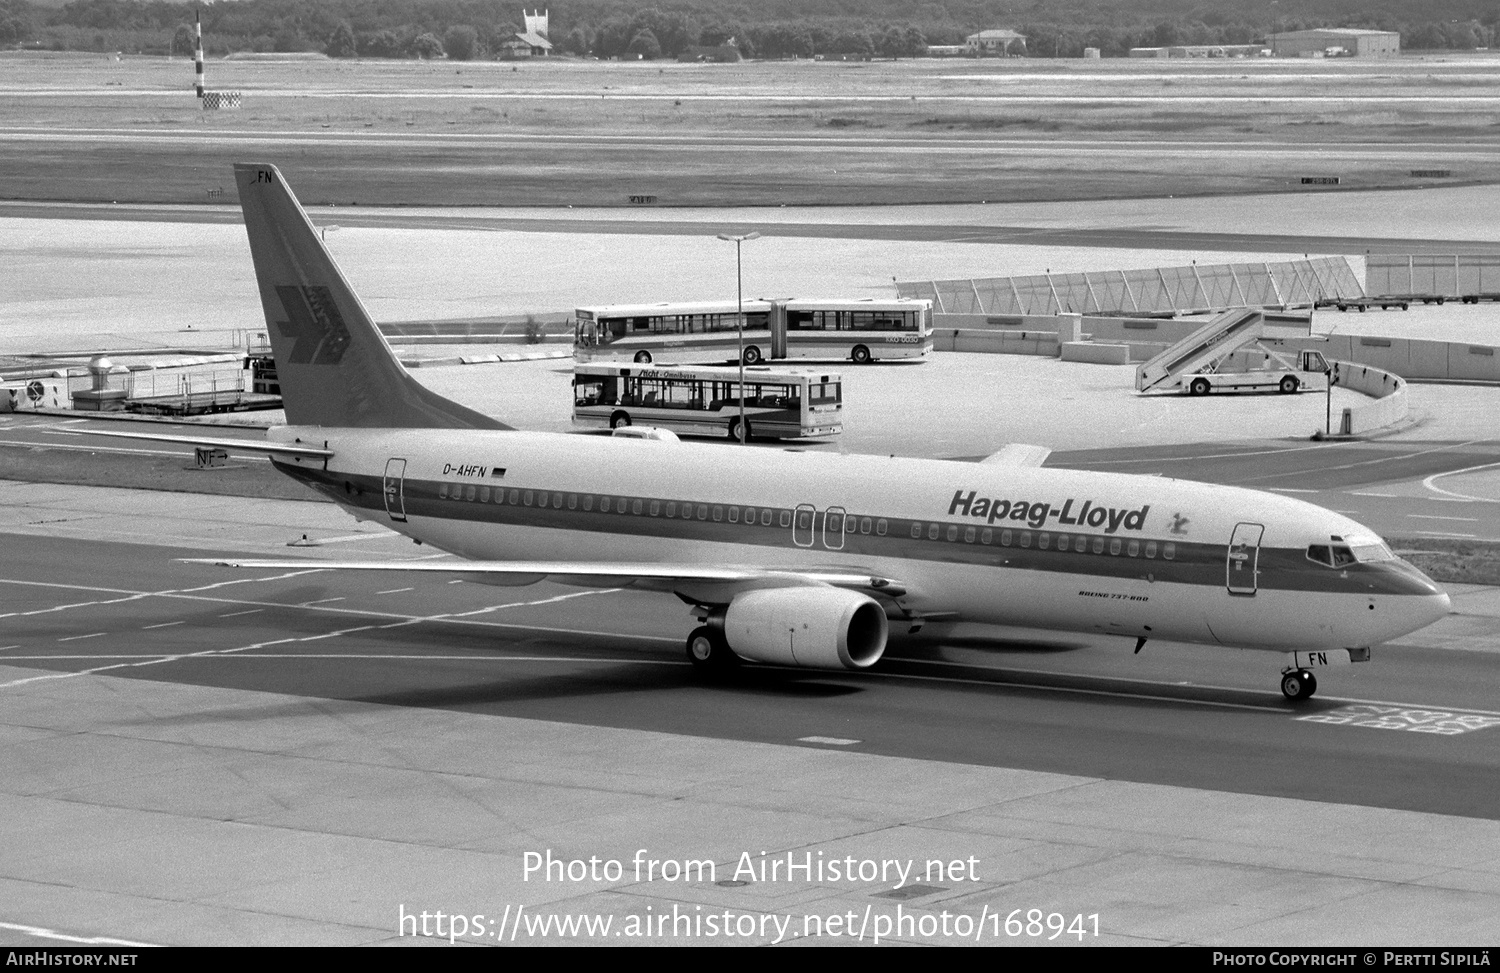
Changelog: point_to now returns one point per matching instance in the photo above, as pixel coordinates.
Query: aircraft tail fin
(334, 365)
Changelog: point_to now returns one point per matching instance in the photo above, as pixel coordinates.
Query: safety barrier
(1388, 402)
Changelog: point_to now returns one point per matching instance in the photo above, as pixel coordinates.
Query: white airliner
(793, 558)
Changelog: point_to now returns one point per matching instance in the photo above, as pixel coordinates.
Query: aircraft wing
(243, 445)
(1018, 454)
(653, 575)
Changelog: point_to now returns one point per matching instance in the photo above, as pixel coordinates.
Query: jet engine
(815, 627)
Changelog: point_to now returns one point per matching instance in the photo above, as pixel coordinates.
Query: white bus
(858, 330)
(705, 400)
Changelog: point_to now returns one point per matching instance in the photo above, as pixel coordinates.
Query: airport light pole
(739, 289)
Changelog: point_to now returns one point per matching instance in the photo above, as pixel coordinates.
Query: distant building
(514, 48)
(1202, 50)
(995, 43)
(536, 33)
(1351, 41)
(725, 53)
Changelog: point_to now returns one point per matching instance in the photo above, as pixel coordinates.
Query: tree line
(470, 29)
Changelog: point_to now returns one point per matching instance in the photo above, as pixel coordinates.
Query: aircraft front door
(395, 497)
(1244, 554)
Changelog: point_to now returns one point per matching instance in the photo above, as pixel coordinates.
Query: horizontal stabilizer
(243, 445)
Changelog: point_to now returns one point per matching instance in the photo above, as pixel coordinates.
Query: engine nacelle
(816, 627)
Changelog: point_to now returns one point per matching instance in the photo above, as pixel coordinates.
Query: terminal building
(1331, 41)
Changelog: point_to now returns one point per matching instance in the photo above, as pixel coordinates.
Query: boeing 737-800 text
(801, 558)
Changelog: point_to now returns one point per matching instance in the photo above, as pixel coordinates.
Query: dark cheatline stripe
(1204, 565)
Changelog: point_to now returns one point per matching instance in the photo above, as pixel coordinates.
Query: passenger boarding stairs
(1203, 350)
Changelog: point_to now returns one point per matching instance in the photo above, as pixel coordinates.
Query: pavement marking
(7, 648)
(830, 741)
(1290, 490)
(320, 601)
(42, 932)
(395, 591)
(130, 595)
(75, 638)
(181, 621)
(1471, 520)
(1441, 722)
(248, 611)
(1430, 481)
(1389, 496)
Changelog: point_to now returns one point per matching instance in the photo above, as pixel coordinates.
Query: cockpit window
(1365, 553)
(1343, 555)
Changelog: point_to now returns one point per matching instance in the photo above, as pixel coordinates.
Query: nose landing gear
(1298, 684)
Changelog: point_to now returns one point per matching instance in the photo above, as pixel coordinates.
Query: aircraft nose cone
(1438, 606)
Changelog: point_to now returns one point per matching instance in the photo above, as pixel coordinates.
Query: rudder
(334, 366)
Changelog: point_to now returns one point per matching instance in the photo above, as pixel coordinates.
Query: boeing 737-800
(800, 558)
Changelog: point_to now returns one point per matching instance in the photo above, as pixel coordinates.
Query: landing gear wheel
(1288, 385)
(734, 430)
(1199, 387)
(1298, 684)
(619, 419)
(861, 355)
(643, 358)
(752, 355)
(709, 653)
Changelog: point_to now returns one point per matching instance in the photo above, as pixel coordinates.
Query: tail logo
(314, 326)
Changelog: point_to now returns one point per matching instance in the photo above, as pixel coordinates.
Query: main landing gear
(709, 652)
(1298, 684)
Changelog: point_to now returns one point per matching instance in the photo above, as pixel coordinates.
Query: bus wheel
(734, 429)
(643, 358)
(619, 419)
(1288, 385)
(752, 355)
(861, 355)
(1199, 387)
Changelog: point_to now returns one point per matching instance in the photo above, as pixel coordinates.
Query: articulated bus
(705, 400)
(860, 331)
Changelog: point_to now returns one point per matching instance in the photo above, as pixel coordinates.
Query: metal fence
(1208, 287)
(1432, 275)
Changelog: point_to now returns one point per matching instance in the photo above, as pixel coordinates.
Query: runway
(1114, 238)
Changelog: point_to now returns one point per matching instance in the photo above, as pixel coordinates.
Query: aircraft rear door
(1244, 555)
(395, 495)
